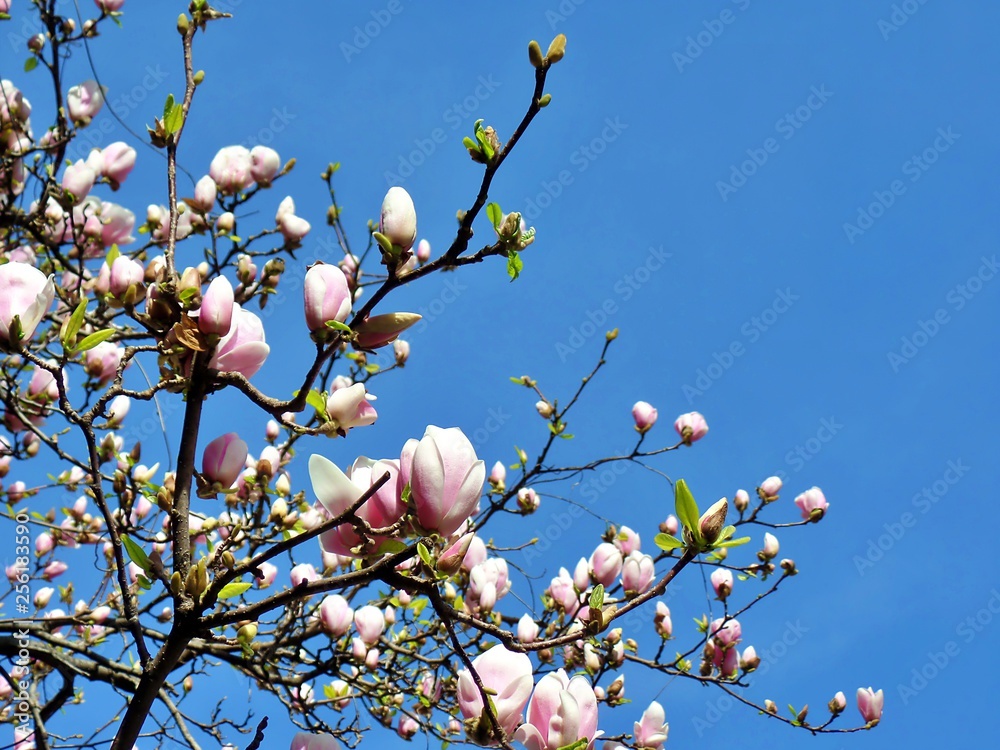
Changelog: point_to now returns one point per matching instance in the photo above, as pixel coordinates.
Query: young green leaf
(733, 542)
(597, 598)
(667, 542)
(424, 555)
(30, 64)
(494, 213)
(74, 324)
(686, 508)
(514, 265)
(95, 338)
(233, 589)
(135, 553)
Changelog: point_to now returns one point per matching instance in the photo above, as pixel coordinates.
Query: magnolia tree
(358, 596)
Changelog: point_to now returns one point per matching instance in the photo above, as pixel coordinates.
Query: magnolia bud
(741, 500)
(556, 49)
(713, 520)
(837, 704)
(535, 54)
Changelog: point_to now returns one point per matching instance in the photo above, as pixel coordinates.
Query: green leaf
(424, 555)
(95, 338)
(667, 542)
(597, 598)
(135, 553)
(168, 105)
(733, 542)
(470, 144)
(173, 121)
(417, 605)
(144, 583)
(315, 399)
(338, 326)
(514, 265)
(494, 213)
(112, 255)
(383, 242)
(390, 547)
(75, 322)
(233, 589)
(686, 508)
(30, 64)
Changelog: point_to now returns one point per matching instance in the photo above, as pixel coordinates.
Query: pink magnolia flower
(527, 629)
(691, 427)
(564, 592)
(813, 504)
(770, 487)
(83, 102)
(243, 349)
(25, 295)
(44, 543)
(423, 251)
(370, 622)
(303, 573)
(117, 161)
(350, 407)
(771, 546)
(293, 228)
(264, 164)
(224, 459)
(728, 634)
(722, 582)
(445, 477)
(399, 218)
(508, 675)
(216, 312)
(476, 553)
(581, 574)
(498, 475)
(54, 569)
(627, 540)
(109, 6)
(101, 362)
(270, 573)
(78, 180)
(383, 329)
(870, 705)
(116, 225)
(326, 296)
(561, 712)
(644, 416)
(651, 730)
(638, 572)
(125, 273)
(336, 615)
(488, 582)
(230, 168)
(337, 492)
(606, 563)
(408, 727)
(309, 741)
(205, 192)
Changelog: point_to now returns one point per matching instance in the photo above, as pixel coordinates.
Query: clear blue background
(692, 89)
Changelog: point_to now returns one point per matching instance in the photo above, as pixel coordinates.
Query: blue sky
(786, 210)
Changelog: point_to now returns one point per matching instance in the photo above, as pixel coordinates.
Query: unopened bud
(557, 49)
(788, 566)
(535, 54)
(770, 706)
(713, 520)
